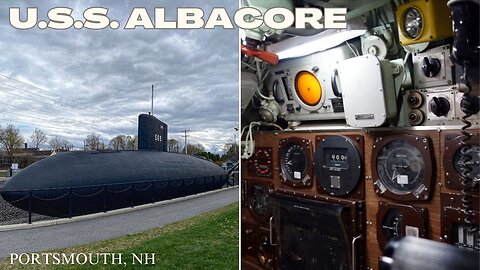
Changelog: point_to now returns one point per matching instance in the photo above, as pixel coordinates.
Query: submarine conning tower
(152, 133)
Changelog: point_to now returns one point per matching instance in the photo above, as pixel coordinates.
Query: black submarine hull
(77, 183)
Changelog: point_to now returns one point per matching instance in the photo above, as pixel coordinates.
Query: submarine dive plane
(82, 182)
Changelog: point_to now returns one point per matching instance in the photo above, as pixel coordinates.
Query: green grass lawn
(208, 241)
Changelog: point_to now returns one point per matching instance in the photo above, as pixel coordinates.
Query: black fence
(75, 201)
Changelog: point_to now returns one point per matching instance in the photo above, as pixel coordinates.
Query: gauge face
(308, 88)
(400, 167)
(471, 160)
(413, 23)
(338, 164)
(259, 200)
(263, 162)
(392, 225)
(294, 162)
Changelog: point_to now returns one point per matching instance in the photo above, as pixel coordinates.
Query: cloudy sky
(71, 83)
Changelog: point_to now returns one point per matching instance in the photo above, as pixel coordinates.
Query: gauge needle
(395, 175)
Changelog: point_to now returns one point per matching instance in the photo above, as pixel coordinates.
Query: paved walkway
(108, 226)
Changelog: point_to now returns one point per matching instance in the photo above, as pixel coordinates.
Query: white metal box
(368, 91)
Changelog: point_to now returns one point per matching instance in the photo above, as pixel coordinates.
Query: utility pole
(185, 131)
(152, 101)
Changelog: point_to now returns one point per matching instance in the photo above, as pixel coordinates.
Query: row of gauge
(324, 176)
(402, 165)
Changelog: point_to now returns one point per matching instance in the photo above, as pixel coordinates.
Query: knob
(470, 104)
(415, 117)
(414, 100)
(439, 106)
(431, 66)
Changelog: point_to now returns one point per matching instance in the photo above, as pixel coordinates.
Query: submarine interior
(360, 146)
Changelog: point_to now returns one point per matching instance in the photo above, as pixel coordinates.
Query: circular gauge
(338, 164)
(308, 88)
(471, 160)
(262, 162)
(294, 162)
(259, 200)
(413, 23)
(400, 167)
(392, 225)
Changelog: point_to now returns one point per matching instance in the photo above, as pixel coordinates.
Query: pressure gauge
(468, 164)
(392, 225)
(402, 167)
(395, 221)
(413, 23)
(460, 169)
(295, 162)
(262, 161)
(258, 200)
(308, 88)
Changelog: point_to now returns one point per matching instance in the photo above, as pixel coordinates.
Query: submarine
(83, 182)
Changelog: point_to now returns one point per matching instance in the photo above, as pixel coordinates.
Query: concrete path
(85, 230)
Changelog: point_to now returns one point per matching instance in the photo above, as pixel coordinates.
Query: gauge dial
(392, 225)
(294, 162)
(400, 167)
(308, 88)
(470, 160)
(263, 162)
(259, 200)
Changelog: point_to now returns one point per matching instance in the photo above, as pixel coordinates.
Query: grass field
(208, 241)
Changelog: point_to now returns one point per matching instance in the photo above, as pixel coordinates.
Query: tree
(193, 149)
(118, 143)
(59, 143)
(93, 142)
(173, 146)
(132, 143)
(230, 151)
(38, 138)
(11, 139)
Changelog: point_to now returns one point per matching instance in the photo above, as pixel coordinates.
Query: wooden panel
(372, 251)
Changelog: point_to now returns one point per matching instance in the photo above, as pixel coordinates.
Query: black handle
(334, 83)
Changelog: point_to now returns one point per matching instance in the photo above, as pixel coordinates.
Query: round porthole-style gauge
(295, 162)
(262, 161)
(258, 200)
(402, 167)
(459, 167)
(395, 221)
(308, 88)
(338, 165)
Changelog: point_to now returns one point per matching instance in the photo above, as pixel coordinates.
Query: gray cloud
(84, 81)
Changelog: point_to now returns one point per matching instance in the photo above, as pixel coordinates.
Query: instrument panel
(349, 167)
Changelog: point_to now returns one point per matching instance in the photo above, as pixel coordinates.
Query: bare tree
(118, 143)
(93, 142)
(132, 143)
(59, 143)
(173, 146)
(38, 138)
(194, 149)
(11, 139)
(230, 151)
